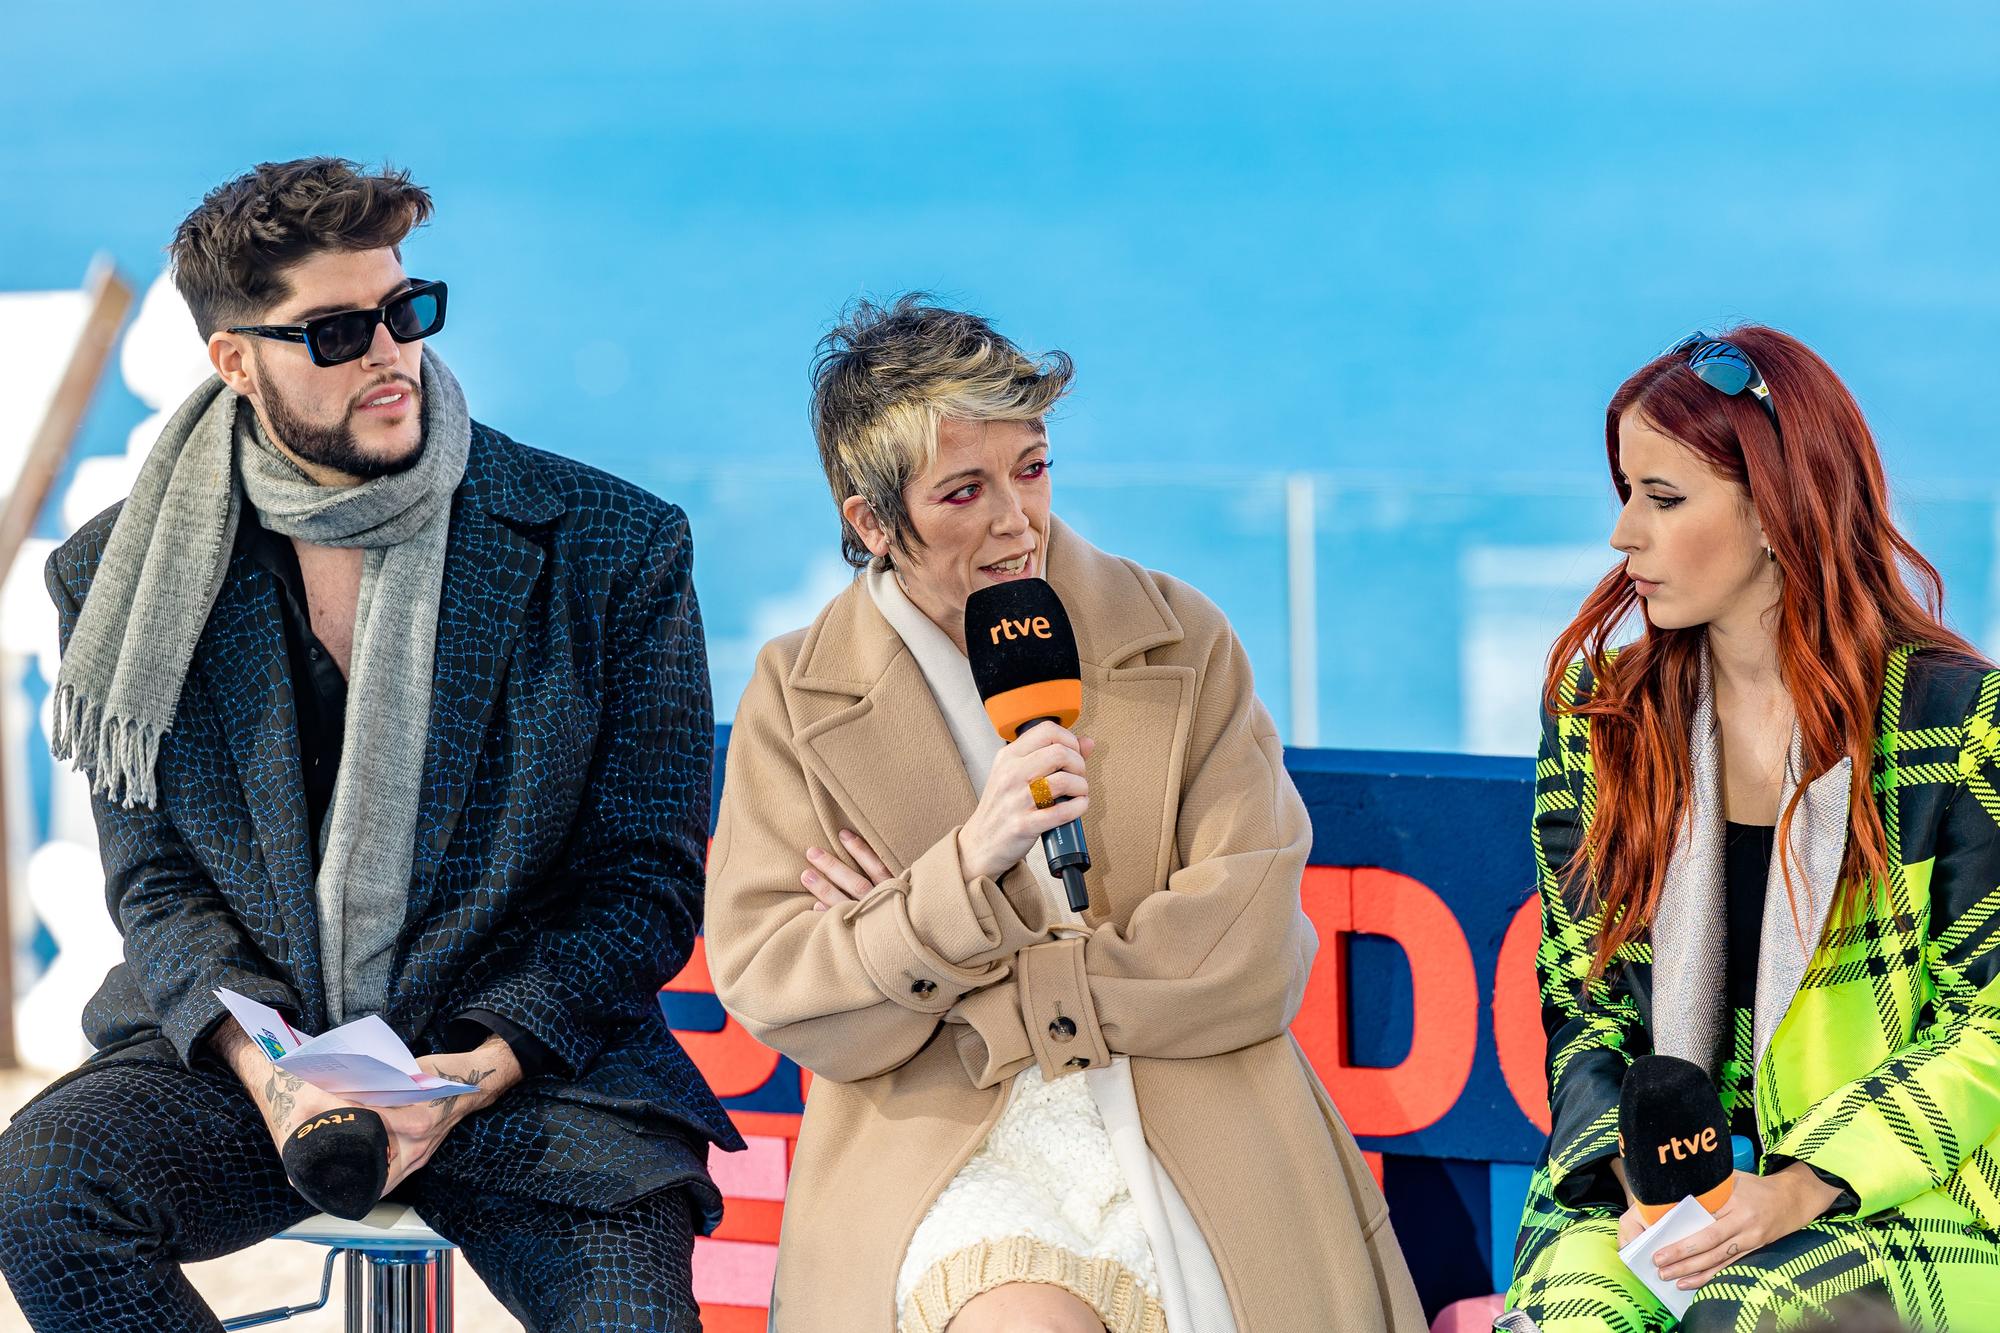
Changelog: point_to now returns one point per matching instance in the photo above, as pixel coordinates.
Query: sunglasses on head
(1722, 365)
(344, 335)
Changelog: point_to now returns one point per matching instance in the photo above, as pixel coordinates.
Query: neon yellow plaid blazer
(1885, 1070)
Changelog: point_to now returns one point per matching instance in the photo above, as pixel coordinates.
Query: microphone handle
(1079, 896)
(1068, 854)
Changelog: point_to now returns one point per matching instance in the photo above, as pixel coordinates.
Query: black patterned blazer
(557, 877)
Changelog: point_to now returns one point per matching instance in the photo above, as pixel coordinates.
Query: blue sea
(1347, 286)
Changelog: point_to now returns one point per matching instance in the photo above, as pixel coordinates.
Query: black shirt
(319, 690)
(319, 697)
(1746, 869)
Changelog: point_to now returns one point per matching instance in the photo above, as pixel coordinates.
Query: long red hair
(1846, 602)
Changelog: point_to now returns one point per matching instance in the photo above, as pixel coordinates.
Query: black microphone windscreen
(1674, 1131)
(1023, 654)
(339, 1162)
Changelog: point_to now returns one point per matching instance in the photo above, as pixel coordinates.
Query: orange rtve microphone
(1024, 661)
(1674, 1135)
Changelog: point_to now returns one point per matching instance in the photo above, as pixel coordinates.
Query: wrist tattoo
(281, 1094)
(476, 1077)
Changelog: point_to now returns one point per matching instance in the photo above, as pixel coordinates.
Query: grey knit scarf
(127, 661)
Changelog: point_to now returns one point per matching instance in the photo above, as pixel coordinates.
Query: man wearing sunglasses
(383, 714)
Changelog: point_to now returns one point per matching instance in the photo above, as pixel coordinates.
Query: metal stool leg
(407, 1291)
(445, 1272)
(357, 1299)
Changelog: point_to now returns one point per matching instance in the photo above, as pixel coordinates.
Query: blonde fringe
(1105, 1285)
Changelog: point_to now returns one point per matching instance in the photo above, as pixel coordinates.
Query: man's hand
(415, 1131)
(1630, 1226)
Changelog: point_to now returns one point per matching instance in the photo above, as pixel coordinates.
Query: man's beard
(333, 446)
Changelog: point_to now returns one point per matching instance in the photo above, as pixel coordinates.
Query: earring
(1770, 554)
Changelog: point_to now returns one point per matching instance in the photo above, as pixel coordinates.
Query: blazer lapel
(1818, 846)
(242, 668)
(490, 574)
(1689, 940)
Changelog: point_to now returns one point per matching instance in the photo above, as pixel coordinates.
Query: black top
(319, 698)
(319, 690)
(1746, 869)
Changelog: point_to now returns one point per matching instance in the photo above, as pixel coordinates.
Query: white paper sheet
(364, 1060)
(1686, 1218)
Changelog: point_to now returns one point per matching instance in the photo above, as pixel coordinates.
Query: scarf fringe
(120, 755)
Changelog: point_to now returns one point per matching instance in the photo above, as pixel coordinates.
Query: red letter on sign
(1517, 1015)
(1445, 1032)
(733, 1061)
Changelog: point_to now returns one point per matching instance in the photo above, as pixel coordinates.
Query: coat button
(1080, 1062)
(922, 987)
(1063, 1029)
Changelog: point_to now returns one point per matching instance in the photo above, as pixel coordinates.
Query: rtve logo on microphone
(330, 1118)
(1022, 629)
(1702, 1143)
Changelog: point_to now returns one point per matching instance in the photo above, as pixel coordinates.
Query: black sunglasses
(345, 334)
(1722, 365)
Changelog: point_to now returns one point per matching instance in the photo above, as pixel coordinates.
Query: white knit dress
(1064, 1190)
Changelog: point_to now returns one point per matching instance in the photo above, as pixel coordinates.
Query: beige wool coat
(915, 1006)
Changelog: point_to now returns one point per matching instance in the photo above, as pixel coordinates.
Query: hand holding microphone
(1008, 821)
(335, 1155)
(1024, 661)
(343, 1159)
(1675, 1139)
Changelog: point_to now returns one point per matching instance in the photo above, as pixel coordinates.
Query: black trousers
(113, 1181)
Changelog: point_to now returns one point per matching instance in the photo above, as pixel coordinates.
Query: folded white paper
(1686, 1218)
(364, 1060)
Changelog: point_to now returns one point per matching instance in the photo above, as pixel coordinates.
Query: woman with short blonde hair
(1025, 1116)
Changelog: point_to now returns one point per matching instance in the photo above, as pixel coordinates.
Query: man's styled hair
(231, 254)
(887, 376)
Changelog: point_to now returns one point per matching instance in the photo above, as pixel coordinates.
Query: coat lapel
(1139, 713)
(1140, 716)
(491, 571)
(1688, 933)
(894, 728)
(245, 674)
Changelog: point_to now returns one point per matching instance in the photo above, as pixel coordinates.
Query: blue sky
(1424, 240)
(1271, 235)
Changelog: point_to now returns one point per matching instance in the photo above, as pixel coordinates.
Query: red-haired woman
(1768, 835)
